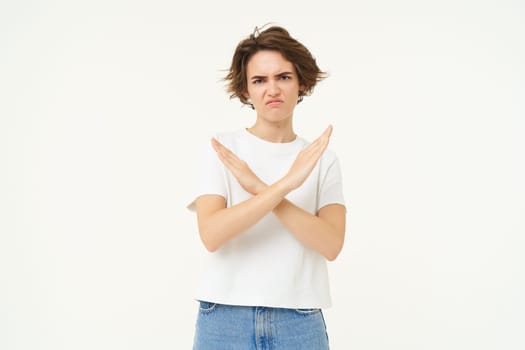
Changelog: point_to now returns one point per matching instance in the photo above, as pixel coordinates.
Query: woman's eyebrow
(284, 73)
(264, 76)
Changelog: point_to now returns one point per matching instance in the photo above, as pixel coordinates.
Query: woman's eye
(285, 77)
(257, 81)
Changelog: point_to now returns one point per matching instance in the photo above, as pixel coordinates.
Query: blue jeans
(229, 327)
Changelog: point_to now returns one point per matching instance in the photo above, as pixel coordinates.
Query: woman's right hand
(306, 160)
(239, 168)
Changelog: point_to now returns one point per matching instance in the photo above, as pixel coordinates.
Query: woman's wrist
(284, 185)
(260, 187)
(281, 186)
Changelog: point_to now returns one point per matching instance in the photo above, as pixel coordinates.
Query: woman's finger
(319, 145)
(221, 152)
(328, 131)
(217, 146)
(228, 158)
(325, 136)
(228, 154)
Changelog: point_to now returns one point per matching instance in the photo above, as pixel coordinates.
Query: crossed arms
(323, 232)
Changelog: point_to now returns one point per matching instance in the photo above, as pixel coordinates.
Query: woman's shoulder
(227, 134)
(329, 155)
(221, 136)
(228, 138)
(224, 137)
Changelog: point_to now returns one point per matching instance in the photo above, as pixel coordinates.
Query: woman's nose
(273, 89)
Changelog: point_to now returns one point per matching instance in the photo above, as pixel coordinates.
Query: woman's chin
(275, 116)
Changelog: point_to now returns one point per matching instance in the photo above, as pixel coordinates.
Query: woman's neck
(273, 132)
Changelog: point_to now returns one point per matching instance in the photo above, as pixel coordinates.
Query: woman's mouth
(274, 103)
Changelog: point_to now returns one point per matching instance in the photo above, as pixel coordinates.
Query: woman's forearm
(323, 233)
(311, 230)
(224, 224)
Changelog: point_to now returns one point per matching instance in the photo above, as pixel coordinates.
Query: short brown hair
(276, 39)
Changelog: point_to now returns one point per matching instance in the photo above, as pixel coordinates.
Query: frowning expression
(273, 85)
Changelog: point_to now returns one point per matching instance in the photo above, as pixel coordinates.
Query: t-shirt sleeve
(331, 187)
(209, 177)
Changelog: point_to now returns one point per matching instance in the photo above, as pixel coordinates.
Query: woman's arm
(323, 232)
(218, 224)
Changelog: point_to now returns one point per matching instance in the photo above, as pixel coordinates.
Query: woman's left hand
(239, 168)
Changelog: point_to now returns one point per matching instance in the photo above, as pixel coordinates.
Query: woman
(270, 208)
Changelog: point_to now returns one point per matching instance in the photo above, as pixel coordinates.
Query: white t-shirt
(267, 265)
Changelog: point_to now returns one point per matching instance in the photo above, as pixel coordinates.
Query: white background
(103, 104)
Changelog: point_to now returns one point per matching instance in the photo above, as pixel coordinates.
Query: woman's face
(273, 86)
